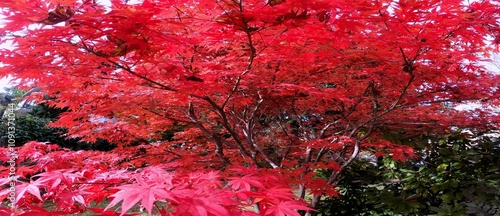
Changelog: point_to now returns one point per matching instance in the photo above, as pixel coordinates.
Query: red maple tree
(267, 93)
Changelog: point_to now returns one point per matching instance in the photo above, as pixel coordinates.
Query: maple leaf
(245, 182)
(54, 178)
(26, 170)
(276, 194)
(67, 199)
(287, 208)
(146, 194)
(32, 188)
(203, 206)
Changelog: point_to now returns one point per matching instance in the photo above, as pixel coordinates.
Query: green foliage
(455, 175)
(15, 92)
(358, 185)
(169, 134)
(460, 178)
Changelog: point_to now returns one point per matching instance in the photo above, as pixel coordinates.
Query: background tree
(455, 175)
(290, 85)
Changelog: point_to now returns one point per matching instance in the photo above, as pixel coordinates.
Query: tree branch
(225, 123)
(219, 148)
(127, 69)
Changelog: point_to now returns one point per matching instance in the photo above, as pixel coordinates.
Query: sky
(3, 83)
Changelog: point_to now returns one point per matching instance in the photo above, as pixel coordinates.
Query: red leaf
(146, 194)
(245, 182)
(287, 208)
